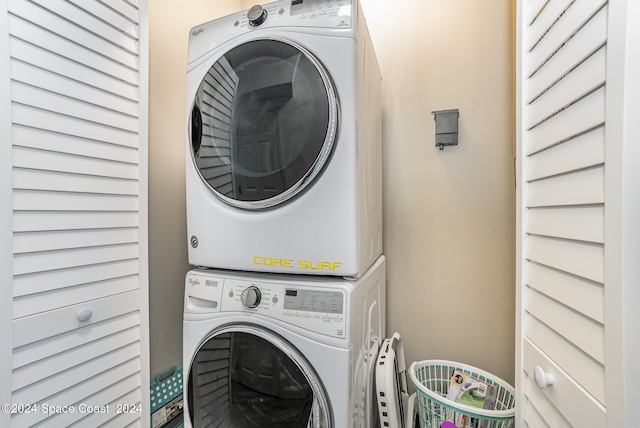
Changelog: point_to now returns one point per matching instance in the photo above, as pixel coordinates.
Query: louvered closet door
(562, 64)
(79, 210)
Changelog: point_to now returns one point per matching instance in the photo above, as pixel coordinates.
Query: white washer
(265, 350)
(283, 168)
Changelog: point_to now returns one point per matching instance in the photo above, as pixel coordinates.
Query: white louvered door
(569, 300)
(78, 92)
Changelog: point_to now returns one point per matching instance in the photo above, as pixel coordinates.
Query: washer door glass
(244, 376)
(263, 123)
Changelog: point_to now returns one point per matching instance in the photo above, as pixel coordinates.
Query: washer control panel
(314, 308)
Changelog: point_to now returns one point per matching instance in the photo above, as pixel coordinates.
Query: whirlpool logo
(196, 32)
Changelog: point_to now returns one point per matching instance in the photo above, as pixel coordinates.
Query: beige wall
(449, 215)
(169, 25)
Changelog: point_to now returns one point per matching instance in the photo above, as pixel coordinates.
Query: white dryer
(268, 350)
(283, 168)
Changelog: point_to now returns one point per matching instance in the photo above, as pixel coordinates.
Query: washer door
(263, 123)
(246, 376)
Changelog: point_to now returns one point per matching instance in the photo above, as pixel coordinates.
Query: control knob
(256, 15)
(250, 296)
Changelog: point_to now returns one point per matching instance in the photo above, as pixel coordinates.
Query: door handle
(196, 129)
(84, 315)
(542, 378)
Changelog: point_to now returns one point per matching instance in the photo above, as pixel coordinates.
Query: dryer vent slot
(276, 95)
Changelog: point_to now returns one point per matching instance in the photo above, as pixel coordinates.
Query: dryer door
(246, 376)
(263, 123)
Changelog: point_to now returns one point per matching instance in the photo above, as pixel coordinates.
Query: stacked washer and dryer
(285, 314)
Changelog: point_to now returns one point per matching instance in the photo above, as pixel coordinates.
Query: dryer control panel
(306, 13)
(328, 14)
(314, 308)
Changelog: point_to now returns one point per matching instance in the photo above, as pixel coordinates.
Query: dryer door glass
(263, 123)
(244, 376)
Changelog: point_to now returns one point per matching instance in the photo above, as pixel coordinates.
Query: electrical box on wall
(446, 127)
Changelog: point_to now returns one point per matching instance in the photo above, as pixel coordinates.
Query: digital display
(322, 13)
(328, 302)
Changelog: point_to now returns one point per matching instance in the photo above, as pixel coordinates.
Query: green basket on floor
(432, 379)
(166, 397)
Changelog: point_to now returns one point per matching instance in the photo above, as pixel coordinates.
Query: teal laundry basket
(432, 380)
(167, 398)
